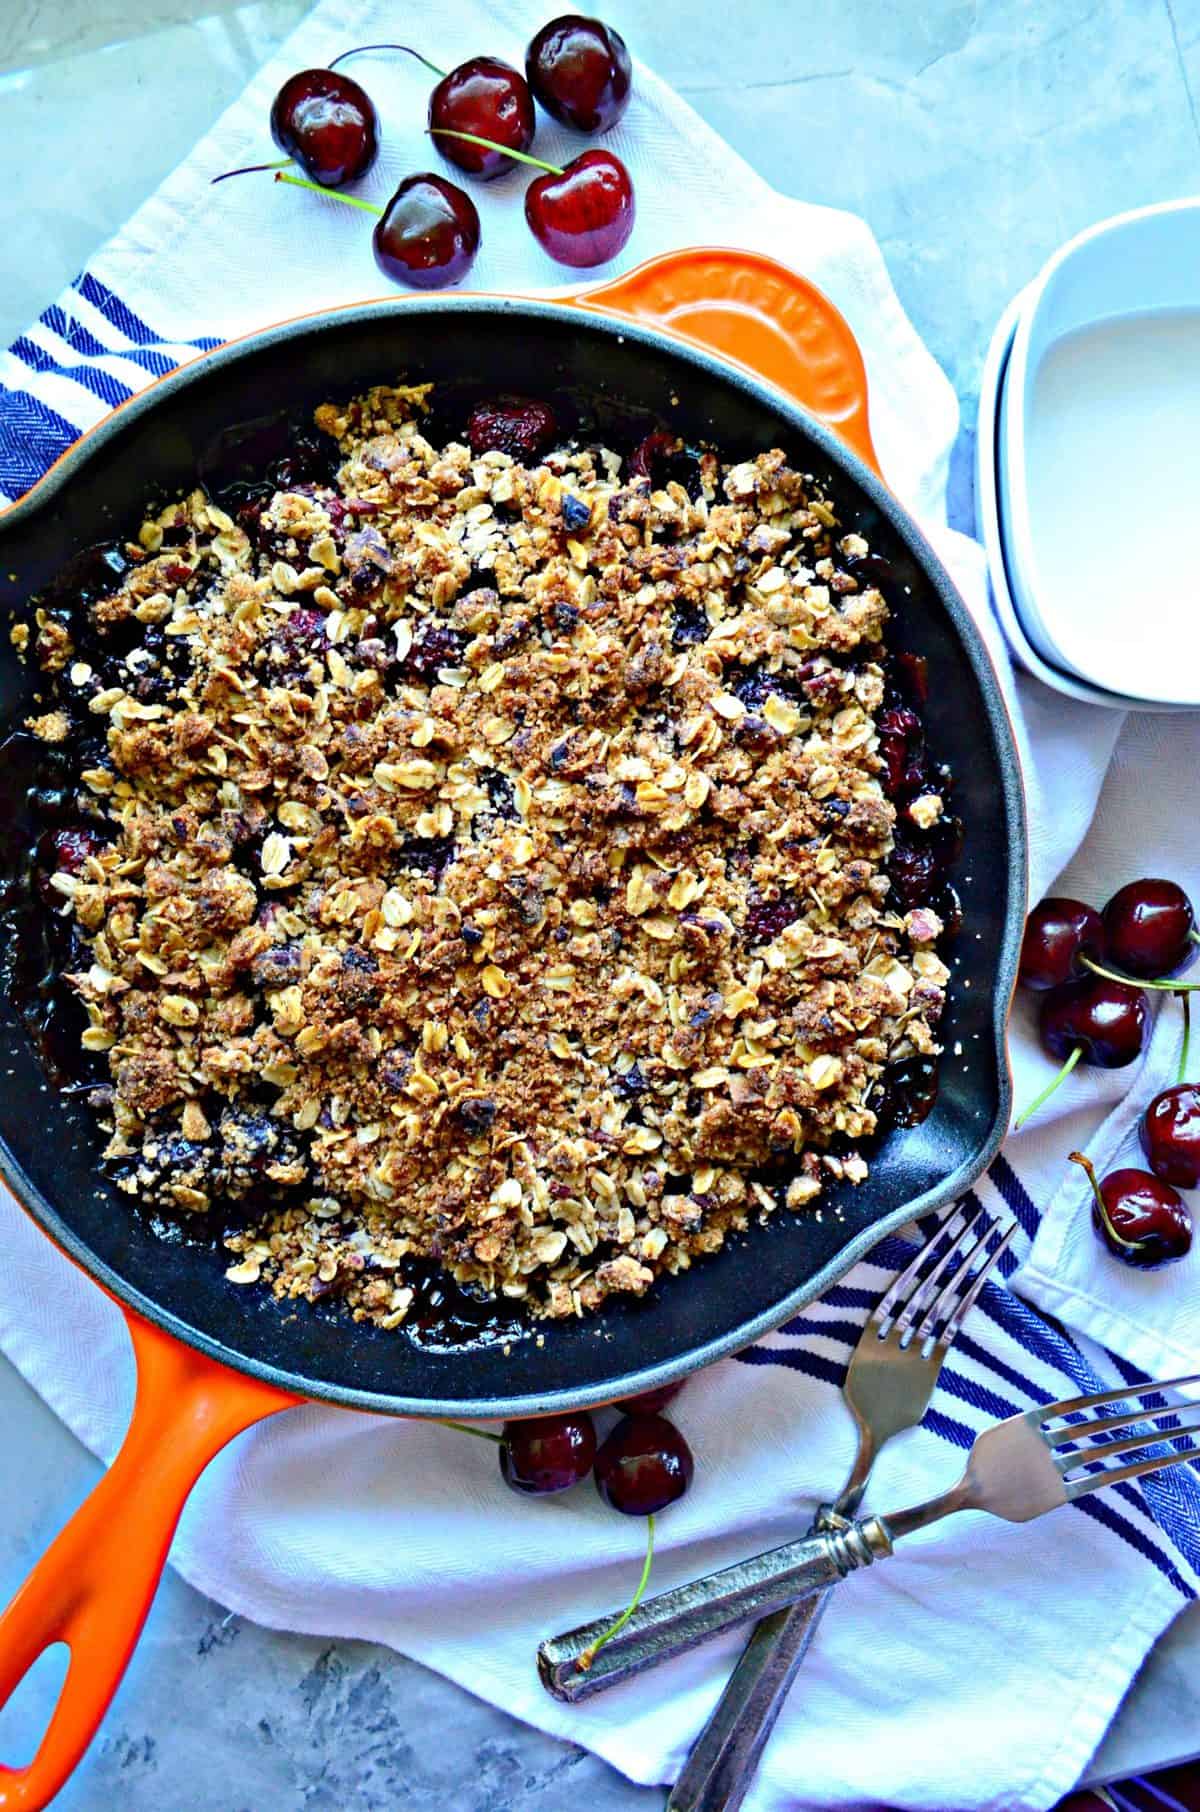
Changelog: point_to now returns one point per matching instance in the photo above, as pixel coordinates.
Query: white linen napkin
(342, 1524)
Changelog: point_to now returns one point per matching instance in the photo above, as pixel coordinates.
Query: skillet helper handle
(753, 310)
(94, 1585)
(690, 1614)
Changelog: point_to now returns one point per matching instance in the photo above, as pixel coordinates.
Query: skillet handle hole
(31, 1705)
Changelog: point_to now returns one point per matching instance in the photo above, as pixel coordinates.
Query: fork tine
(1152, 1437)
(1128, 1393)
(952, 1265)
(1092, 1481)
(916, 1300)
(1079, 1431)
(950, 1332)
(953, 1225)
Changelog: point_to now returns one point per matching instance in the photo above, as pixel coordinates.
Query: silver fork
(891, 1378)
(893, 1371)
(1017, 1469)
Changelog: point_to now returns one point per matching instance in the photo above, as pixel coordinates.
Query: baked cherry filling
(489, 869)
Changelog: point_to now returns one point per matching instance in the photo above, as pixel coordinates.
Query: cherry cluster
(482, 117)
(641, 1467)
(1091, 969)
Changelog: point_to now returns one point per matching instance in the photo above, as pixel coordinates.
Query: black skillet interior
(609, 380)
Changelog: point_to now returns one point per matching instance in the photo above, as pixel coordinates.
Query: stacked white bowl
(1088, 464)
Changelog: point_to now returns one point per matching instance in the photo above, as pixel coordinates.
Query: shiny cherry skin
(547, 1453)
(650, 1402)
(491, 99)
(328, 124)
(1170, 1134)
(1144, 1223)
(428, 234)
(1107, 1019)
(586, 215)
(1148, 925)
(644, 1465)
(580, 71)
(517, 425)
(1058, 933)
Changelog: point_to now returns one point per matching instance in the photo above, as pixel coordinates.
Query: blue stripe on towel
(32, 437)
(107, 303)
(101, 383)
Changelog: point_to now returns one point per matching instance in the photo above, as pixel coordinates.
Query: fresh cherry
(580, 71)
(644, 1465)
(491, 100)
(1058, 934)
(1094, 1021)
(428, 233)
(1170, 1134)
(1104, 1020)
(516, 425)
(327, 124)
(547, 1453)
(1140, 1219)
(1151, 929)
(649, 1402)
(583, 214)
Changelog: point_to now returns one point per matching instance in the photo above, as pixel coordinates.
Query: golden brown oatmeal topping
(496, 871)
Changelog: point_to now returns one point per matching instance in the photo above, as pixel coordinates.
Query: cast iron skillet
(611, 374)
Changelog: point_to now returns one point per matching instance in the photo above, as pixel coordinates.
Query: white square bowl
(1098, 460)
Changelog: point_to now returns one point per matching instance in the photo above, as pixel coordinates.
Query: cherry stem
(1077, 1157)
(489, 144)
(1194, 935)
(360, 50)
(351, 201)
(1139, 981)
(614, 1629)
(1187, 1036)
(1046, 1093)
(481, 1434)
(250, 169)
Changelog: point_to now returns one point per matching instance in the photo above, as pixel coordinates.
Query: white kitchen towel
(341, 1524)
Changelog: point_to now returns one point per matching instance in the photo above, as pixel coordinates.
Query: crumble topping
(493, 866)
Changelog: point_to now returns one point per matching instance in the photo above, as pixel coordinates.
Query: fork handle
(680, 1619)
(723, 1760)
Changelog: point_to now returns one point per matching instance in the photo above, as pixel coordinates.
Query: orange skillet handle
(762, 315)
(93, 1586)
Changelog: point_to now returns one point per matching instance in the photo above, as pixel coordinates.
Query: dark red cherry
(64, 851)
(1149, 926)
(328, 124)
(580, 71)
(1170, 1134)
(649, 1402)
(1058, 933)
(644, 1465)
(902, 751)
(428, 234)
(487, 97)
(1104, 1020)
(584, 215)
(517, 425)
(1140, 1219)
(547, 1453)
